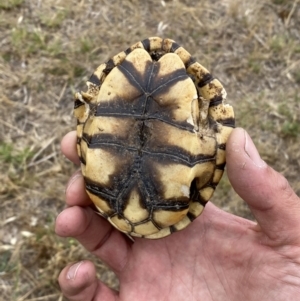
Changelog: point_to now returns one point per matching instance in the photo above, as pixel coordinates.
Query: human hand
(218, 257)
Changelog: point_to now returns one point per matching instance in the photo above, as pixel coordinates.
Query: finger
(75, 191)
(95, 234)
(268, 194)
(78, 282)
(68, 147)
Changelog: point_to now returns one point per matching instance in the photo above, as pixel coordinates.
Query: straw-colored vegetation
(48, 49)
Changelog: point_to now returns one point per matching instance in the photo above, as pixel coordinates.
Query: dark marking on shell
(95, 80)
(128, 50)
(221, 166)
(118, 197)
(78, 103)
(194, 192)
(82, 160)
(150, 87)
(190, 62)
(206, 79)
(227, 122)
(195, 195)
(109, 66)
(215, 101)
(167, 155)
(175, 205)
(222, 146)
(172, 229)
(174, 47)
(191, 216)
(202, 201)
(146, 44)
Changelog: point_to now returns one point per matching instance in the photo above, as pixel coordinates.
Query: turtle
(151, 137)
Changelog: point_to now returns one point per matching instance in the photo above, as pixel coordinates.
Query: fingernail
(252, 152)
(75, 177)
(73, 270)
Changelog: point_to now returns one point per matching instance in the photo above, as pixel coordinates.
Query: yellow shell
(152, 129)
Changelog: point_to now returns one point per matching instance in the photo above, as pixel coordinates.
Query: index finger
(68, 147)
(75, 190)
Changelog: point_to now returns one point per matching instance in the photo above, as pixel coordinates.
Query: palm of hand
(219, 257)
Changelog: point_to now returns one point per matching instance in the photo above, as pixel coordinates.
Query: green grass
(54, 19)
(10, 4)
(26, 42)
(290, 129)
(17, 158)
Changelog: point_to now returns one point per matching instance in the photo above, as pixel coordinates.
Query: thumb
(271, 199)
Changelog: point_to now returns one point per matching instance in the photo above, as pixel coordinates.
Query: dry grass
(47, 51)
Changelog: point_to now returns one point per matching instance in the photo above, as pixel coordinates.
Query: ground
(48, 49)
